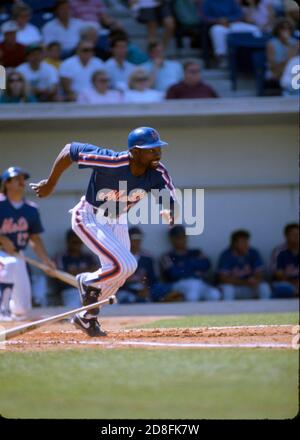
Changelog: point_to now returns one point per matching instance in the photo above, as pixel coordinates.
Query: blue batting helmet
(144, 137)
(13, 172)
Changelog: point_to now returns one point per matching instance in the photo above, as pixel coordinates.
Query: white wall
(249, 172)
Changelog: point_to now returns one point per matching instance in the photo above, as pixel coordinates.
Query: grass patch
(138, 383)
(226, 320)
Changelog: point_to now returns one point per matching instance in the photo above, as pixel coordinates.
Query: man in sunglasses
(76, 72)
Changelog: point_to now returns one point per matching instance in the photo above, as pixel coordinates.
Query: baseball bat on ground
(55, 273)
(15, 331)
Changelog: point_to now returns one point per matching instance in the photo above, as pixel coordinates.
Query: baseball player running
(100, 218)
(20, 224)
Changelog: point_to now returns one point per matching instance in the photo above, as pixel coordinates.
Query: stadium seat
(246, 52)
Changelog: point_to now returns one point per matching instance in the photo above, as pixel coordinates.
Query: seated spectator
(98, 92)
(289, 81)
(134, 54)
(280, 49)
(118, 69)
(63, 29)
(93, 11)
(164, 72)
(76, 72)
(143, 285)
(40, 76)
(53, 54)
(291, 11)
(191, 87)
(74, 261)
(286, 271)
(12, 54)
(139, 88)
(154, 13)
(27, 33)
(259, 12)
(224, 16)
(100, 42)
(187, 269)
(16, 90)
(240, 270)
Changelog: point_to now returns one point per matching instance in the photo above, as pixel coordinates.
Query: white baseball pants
(13, 271)
(110, 242)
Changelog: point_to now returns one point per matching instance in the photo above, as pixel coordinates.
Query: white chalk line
(112, 344)
(231, 327)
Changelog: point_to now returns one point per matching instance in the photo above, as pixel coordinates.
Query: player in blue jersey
(100, 218)
(19, 224)
(241, 271)
(286, 268)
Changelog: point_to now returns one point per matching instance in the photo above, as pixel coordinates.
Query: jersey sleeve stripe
(102, 164)
(85, 156)
(167, 179)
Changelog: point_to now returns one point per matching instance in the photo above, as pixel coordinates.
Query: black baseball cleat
(88, 294)
(89, 326)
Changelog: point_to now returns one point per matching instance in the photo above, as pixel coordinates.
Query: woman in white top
(99, 93)
(139, 88)
(28, 33)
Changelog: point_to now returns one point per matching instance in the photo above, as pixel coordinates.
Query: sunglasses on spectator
(16, 79)
(101, 79)
(142, 78)
(193, 70)
(87, 49)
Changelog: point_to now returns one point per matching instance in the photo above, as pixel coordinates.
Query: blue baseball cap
(13, 172)
(144, 137)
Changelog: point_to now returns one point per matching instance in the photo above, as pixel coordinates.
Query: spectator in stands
(99, 92)
(286, 269)
(134, 54)
(118, 69)
(187, 269)
(16, 90)
(240, 270)
(101, 43)
(164, 73)
(291, 11)
(74, 261)
(224, 16)
(259, 12)
(290, 81)
(41, 77)
(93, 11)
(191, 87)
(27, 33)
(53, 54)
(143, 285)
(154, 13)
(76, 72)
(12, 53)
(63, 29)
(280, 49)
(139, 88)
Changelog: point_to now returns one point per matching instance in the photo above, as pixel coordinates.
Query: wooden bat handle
(59, 274)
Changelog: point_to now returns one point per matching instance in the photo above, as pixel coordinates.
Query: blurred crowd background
(123, 51)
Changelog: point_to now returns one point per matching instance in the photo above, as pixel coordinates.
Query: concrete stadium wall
(245, 161)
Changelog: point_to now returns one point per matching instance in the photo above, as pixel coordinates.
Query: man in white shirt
(63, 28)
(117, 67)
(27, 33)
(164, 72)
(76, 72)
(40, 76)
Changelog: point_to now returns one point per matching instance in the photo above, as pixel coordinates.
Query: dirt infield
(63, 335)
